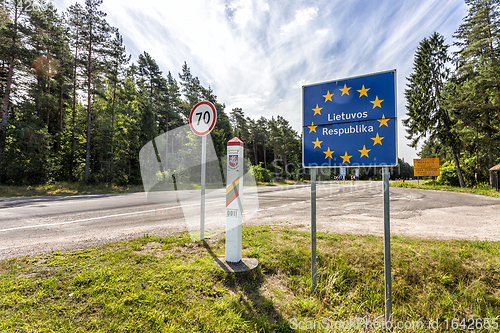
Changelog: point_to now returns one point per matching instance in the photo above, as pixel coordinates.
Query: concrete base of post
(244, 265)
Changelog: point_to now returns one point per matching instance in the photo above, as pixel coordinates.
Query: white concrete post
(234, 207)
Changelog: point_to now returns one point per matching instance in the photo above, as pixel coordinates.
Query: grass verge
(280, 182)
(429, 185)
(65, 188)
(76, 188)
(155, 284)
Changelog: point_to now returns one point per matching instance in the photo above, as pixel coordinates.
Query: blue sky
(258, 54)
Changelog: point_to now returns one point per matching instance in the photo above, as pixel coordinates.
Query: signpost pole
(203, 174)
(313, 229)
(387, 247)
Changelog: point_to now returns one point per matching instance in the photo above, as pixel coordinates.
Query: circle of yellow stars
(376, 140)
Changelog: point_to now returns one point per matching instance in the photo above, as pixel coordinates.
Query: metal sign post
(203, 176)
(313, 230)
(387, 247)
(234, 207)
(202, 120)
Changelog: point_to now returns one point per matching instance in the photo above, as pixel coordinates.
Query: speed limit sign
(202, 121)
(202, 118)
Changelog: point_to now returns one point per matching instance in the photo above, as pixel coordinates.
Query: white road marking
(102, 217)
(135, 213)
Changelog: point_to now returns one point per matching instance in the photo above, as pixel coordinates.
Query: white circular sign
(202, 118)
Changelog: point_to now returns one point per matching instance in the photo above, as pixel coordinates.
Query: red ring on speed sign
(202, 118)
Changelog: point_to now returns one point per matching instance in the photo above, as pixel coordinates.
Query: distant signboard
(426, 167)
(426, 163)
(425, 172)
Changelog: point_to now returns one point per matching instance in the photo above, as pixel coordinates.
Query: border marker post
(234, 207)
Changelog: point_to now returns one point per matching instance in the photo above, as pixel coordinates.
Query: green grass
(65, 188)
(279, 182)
(429, 185)
(77, 188)
(155, 284)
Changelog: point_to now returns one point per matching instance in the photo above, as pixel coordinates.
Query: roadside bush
(26, 158)
(262, 174)
(448, 175)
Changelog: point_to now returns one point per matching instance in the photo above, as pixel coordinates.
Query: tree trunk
(452, 140)
(264, 148)
(286, 167)
(457, 167)
(89, 105)
(274, 162)
(255, 151)
(477, 159)
(48, 107)
(8, 85)
(112, 133)
(59, 138)
(490, 156)
(5, 106)
(74, 112)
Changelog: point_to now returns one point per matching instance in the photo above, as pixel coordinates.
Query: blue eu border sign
(350, 122)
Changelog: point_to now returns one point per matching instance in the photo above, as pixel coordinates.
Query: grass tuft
(483, 189)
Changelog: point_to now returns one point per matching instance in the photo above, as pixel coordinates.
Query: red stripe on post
(231, 199)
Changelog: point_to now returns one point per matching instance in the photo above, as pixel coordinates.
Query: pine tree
(15, 52)
(117, 60)
(191, 90)
(425, 114)
(253, 136)
(75, 22)
(239, 123)
(95, 35)
(476, 97)
(288, 142)
(174, 118)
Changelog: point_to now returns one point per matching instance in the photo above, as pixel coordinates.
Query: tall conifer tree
(426, 116)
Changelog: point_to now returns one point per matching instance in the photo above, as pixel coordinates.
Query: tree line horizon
(75, 108)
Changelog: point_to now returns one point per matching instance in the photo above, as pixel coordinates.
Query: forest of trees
(76, 108)
(453, 98)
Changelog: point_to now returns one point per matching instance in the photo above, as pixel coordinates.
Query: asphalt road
(36, 225)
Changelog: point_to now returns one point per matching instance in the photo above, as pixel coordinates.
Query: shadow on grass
(256, 309)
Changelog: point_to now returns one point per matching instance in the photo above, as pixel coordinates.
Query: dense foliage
(76, 108)
(453, 99)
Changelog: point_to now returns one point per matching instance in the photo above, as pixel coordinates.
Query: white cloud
(302, 17)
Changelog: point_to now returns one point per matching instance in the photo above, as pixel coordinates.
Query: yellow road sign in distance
(425, 172)
(426, 163)
(423, 167)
